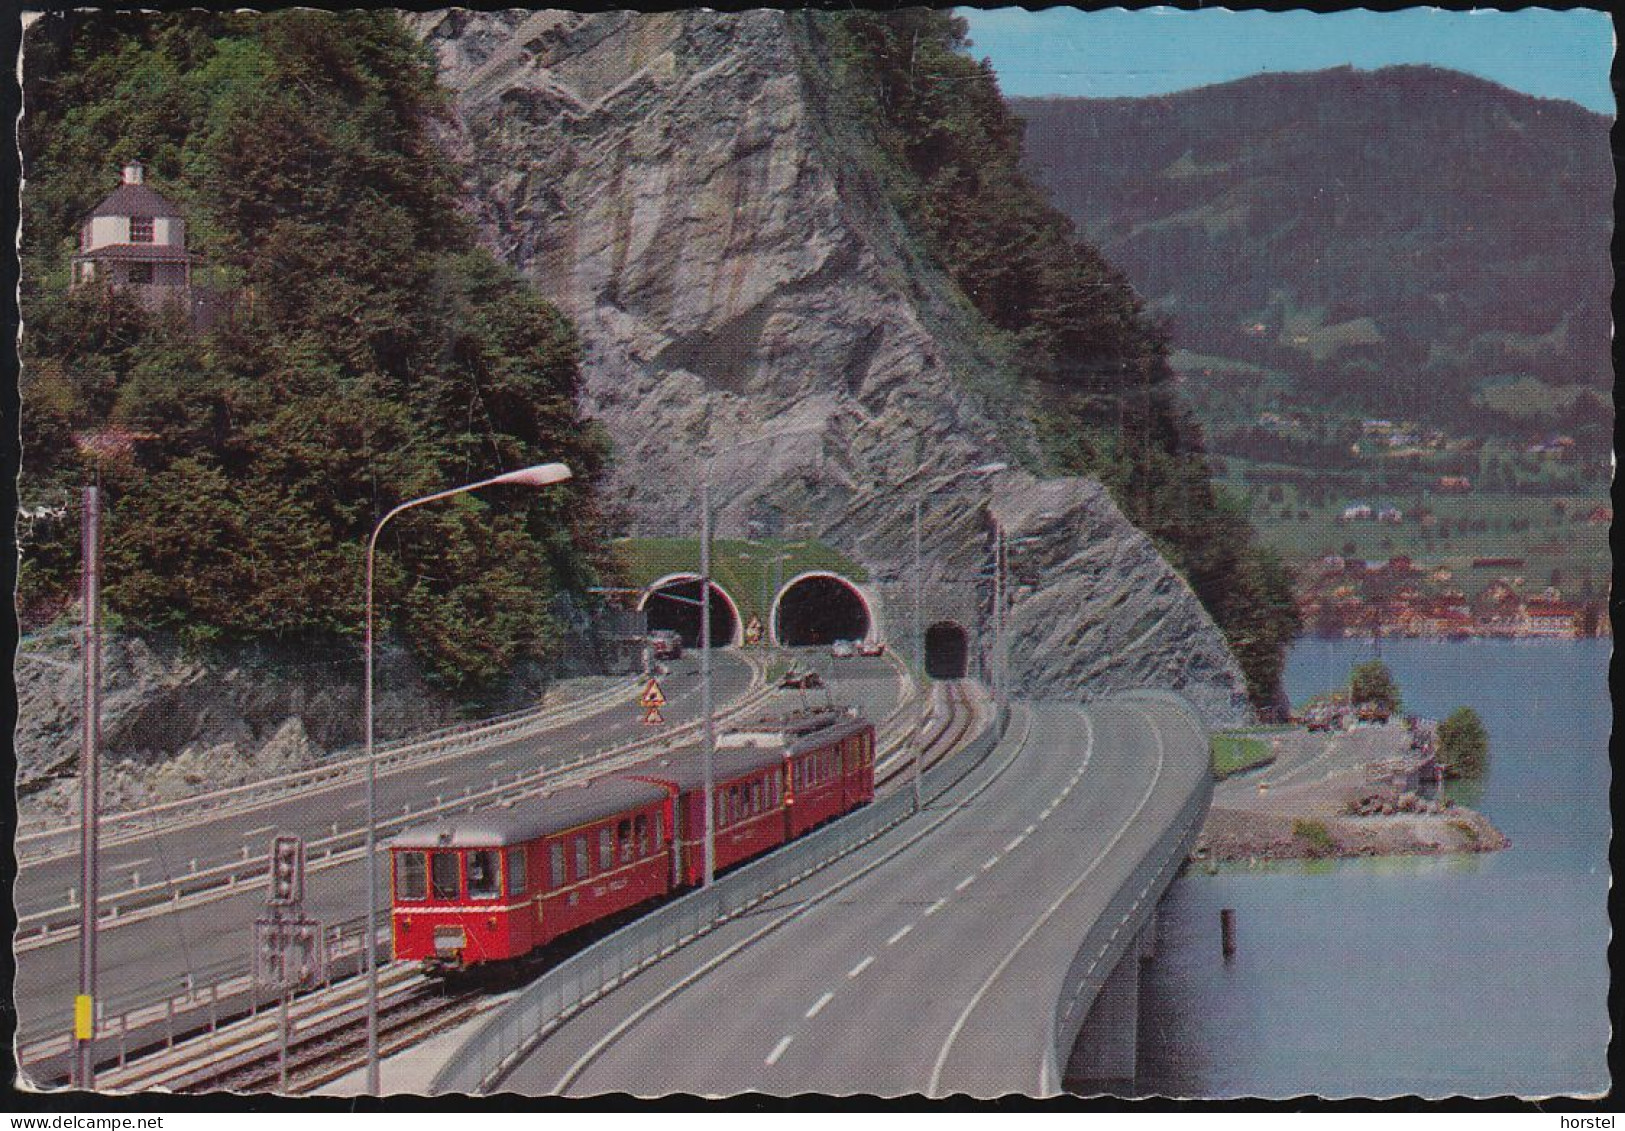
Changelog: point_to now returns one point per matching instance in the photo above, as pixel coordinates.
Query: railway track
(953, 729)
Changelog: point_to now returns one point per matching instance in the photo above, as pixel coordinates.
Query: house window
(140, 229)
(140, 272)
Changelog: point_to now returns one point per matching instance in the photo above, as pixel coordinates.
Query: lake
(1438, 976)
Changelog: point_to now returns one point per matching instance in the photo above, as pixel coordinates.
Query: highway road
(143, 954)
(930, 961)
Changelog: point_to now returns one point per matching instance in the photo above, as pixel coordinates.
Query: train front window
(411, 876)
(482, 875)
(443, 878)
(516, 871)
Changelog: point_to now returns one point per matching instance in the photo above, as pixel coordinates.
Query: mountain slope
(1400, 242)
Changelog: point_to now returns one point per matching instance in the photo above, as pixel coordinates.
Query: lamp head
(542, 475)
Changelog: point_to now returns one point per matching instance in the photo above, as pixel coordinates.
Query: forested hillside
(1090, 361)
(374, 354)
(1407, 243)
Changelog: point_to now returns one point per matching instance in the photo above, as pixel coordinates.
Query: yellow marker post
(84, 1023)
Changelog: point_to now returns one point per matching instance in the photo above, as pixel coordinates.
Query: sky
(1115, 53)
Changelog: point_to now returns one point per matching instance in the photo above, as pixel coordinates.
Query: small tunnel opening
(947, 651)
(821, 610)
(675, 606)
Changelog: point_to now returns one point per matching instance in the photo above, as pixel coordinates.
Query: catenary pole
(89, 786)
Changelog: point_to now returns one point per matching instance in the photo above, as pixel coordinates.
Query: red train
(495, 886)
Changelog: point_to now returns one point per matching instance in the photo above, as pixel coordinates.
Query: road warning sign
(753, 630)
(653, 698)
(652, 717)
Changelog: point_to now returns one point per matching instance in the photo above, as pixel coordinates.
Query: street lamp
(919, 627)
(541, 475)
(705, 636)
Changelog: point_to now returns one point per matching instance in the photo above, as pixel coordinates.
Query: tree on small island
(1372, 683)
(1464, 744)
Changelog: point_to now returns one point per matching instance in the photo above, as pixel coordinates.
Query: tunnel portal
(820, 608)
(674, 604)
(947, 651)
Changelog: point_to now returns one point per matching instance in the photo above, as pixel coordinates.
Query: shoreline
(1336, 796)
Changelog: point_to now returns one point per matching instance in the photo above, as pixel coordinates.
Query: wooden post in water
(1227, 932)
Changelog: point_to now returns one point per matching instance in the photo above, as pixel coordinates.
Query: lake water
(1468, 975)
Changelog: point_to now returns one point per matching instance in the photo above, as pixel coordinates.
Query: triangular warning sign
(653, 697)
(652, 717)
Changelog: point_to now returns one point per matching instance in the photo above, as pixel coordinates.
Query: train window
(443, 878)
(411, 876)
(583, 861)
(516, 871)
(556, 859)
(658, 831)
(483, 882)
(756, 797)
(606, 848)
(641, 825)
(623, 837)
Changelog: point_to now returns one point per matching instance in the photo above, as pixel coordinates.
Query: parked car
(871, 648)
(843, 649)
(667, 644)
(795, 678)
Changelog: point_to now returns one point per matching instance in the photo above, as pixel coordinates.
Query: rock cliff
(684, 186)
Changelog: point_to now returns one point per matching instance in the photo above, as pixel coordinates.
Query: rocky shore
(1323, 798)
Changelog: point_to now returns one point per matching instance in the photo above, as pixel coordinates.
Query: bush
(1320, 841)
(1464, 744)
(1373, 683)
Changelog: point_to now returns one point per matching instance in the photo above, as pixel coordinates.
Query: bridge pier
(1105, 1057)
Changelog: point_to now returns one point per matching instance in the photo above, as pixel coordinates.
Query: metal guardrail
(1130, 907)
(512, 1032)
(444, 741)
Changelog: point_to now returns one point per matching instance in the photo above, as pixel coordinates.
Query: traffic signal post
(288, 947)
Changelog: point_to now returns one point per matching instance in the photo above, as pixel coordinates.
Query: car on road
(803, 680)
(667, 644)
(843, 649)
(871, 648)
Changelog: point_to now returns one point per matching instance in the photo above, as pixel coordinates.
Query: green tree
(1372, 683)
(1464, 744)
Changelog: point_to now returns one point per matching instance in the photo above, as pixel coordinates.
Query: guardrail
(511, 1033)
(1130, 907)
(338, 847)
(445, 741)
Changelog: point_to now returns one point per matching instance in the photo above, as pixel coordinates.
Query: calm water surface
(1482, 975)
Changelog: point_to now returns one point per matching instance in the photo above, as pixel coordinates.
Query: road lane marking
(258, 831)
(1029, 830)
(900, 934)
(437, 781)
(965, 883)
(1016, 843)
(991, 860)
(778, 1050)
(937, 906)
(135, 863)
(860, 967)
(357, 804)
(818, 1006)
(1044, 816)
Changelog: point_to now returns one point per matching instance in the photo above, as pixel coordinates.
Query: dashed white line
(356, 804)
(1016, 843)
(965, 883)
(1029, 830)
(991, 860)
(860, 967)
(937, 906)
(899, 934)
(1044, 816)
(778, 1050)
(258, 831)
(818, 1006)
(437, 781)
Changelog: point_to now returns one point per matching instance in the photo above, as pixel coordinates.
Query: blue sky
(1157, 50)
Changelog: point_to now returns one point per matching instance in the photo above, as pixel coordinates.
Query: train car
(749, 801)
(495, 886)
(830, 766)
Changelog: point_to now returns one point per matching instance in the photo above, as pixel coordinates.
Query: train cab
(494, 886)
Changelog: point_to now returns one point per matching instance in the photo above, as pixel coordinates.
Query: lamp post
(919, 627)
(710, 745)
(541, 475)
(84, 1006)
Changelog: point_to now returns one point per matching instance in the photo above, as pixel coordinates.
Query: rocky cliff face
(682, 185)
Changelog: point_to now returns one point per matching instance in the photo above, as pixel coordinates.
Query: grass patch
(1320, 841)
(1233, 753)
(1465, 830)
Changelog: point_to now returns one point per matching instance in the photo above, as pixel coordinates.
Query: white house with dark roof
(136, 239)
